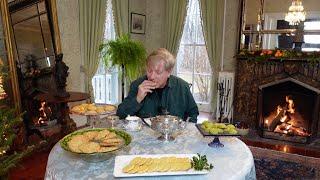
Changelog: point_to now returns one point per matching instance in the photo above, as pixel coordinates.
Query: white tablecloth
(233, 161)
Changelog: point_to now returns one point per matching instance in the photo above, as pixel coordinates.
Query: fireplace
(269, 91)
(288, 110)
(46, 114)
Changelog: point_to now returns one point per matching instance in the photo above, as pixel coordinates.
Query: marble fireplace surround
(250, 75)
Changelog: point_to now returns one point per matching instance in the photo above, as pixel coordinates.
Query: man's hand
(144, 88)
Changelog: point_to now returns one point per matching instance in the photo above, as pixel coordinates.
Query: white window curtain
(176, 11)
(212, 12)
(121, 16)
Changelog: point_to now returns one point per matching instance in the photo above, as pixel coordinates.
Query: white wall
(137, 6)
(155, 11)
(155, 17)
(251, 11)
(231, 35)
(68, 17)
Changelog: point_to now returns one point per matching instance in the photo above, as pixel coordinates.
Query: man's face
(157, 73)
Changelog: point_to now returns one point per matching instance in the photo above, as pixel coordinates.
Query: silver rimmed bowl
(97, 156)
(167, 125)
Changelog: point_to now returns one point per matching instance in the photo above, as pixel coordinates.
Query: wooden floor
(32, 167)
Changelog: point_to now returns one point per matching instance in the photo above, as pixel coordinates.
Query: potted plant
(130, 55)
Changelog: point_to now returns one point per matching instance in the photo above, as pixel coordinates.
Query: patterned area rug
(267, 168)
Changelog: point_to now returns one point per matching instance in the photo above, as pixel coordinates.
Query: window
(311, 42)
(192, 59)
(106, 82)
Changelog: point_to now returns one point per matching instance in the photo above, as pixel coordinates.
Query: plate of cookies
(96, 144)
(154, 165)
(94, 109)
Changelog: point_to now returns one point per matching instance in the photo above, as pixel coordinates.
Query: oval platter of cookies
(98, 141)
(93, 109)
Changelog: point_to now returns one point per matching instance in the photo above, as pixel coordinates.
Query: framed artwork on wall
(138, 23)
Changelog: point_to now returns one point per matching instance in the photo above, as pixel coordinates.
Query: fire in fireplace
(44, 113)
(288, 110)
(285, 119)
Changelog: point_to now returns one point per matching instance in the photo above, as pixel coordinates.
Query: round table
(233, 161)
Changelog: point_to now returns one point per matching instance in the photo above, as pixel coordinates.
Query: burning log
(300, 131)
(283, 120)
(289, 129)
(282, 128)
(277, 120)
(44, 113)
(283, 114)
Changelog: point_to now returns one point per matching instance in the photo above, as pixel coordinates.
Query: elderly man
(159, 92)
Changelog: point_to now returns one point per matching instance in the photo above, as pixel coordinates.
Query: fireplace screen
(288, 111)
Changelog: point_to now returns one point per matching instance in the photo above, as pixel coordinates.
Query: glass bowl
(167, 125)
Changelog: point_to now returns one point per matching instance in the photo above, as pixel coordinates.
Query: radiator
(227, 81)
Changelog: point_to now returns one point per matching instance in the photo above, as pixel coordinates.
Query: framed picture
(138, 23)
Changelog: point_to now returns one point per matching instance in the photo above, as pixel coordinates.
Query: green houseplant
(126, 53)
(130, 55)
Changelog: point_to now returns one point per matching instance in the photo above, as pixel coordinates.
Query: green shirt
(176, 98)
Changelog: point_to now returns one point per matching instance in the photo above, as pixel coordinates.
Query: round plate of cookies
(97, 144)
(93, 109)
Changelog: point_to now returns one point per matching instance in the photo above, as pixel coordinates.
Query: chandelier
(296, 13)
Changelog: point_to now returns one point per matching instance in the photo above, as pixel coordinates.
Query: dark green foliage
(3, 71)
(9, 161)
(3, 78)
(200, 163)
(124, 52)
(9, 120)
(278, 55)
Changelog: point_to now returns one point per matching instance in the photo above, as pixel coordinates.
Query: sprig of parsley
(200, 163)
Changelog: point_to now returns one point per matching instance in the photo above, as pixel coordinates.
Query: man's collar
(170, 81)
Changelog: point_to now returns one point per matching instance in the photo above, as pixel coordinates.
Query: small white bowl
(133, 123)
(243, 132)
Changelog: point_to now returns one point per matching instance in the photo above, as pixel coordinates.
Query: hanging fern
(124, 52)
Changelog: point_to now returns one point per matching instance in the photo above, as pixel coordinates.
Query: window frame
(112, 74)
(203, 105)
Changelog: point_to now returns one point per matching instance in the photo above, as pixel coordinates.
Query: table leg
(68, 125)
